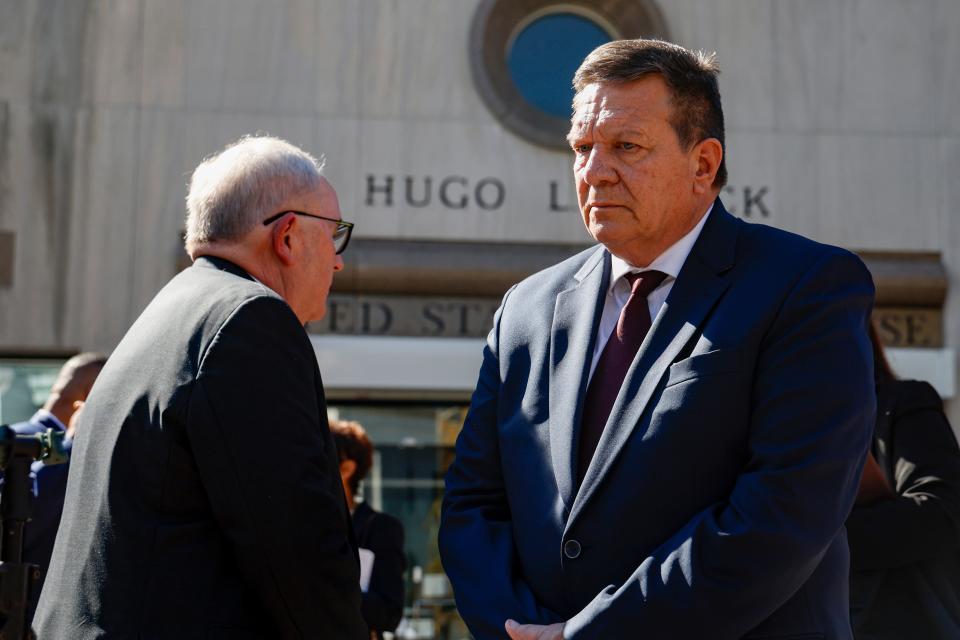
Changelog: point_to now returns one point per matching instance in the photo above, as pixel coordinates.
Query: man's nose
(598, 168)
(337, 262)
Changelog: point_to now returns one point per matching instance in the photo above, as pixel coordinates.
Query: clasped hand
(518, 631)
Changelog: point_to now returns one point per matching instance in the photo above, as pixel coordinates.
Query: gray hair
(233, 191)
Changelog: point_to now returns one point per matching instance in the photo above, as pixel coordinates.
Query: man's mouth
(601, 206)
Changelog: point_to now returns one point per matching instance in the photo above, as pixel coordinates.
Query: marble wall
(842, 113)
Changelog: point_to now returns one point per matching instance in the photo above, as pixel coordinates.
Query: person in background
(72, 384)
(904, 531)
(69, 390)
(380, 533)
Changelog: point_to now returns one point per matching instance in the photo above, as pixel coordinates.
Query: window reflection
(24, 386)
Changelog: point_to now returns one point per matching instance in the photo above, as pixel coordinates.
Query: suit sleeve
(812, 409)
(383, 601)
(923, 521)
(257, 427)
(476, 529)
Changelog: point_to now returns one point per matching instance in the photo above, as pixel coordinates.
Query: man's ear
(347, 468)
(706, 156)
(283, 239)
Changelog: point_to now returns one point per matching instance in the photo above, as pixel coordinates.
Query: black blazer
(905, 552)
(383, 535)
(204, 498)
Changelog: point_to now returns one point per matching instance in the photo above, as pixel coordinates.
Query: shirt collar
(669, 262)
(42, 415)
(264, 286)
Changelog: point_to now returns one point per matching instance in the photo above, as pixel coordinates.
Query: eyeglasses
(341, 235)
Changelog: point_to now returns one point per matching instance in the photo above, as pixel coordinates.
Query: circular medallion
(524, 53)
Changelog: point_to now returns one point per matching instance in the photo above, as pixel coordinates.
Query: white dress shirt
(669, 262)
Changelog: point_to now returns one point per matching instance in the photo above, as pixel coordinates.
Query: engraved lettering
(915, 330)
(431, 313)
(498, 190)
(461, 203)
(888, 327)
(373, 189)
(338, 317)
(424, 200)
(751, 200)
(366, 314)
(555, 204)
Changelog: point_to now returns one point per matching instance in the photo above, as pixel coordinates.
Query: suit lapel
(575, 319)
(700, 283)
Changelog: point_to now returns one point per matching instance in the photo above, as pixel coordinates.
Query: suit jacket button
(571, 549)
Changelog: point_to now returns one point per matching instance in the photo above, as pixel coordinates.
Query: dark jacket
(207, 502)
(905, 552)
(383, 535)
(714, 504)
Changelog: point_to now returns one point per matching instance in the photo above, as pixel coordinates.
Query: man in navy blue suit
(69, 391)
(668, 429)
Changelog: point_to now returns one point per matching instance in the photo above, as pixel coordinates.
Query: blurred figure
(59, 413)
(904, 532)
(206, 503)
(72, 384)
(377, 532)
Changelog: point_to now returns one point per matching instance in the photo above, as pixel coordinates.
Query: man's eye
(581, 148)
(628, 146)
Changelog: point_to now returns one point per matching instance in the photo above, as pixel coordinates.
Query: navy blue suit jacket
(715, 502)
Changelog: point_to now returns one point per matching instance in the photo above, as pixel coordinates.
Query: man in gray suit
(207, 502)
(668, 429)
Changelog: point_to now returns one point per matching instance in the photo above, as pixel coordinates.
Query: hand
(72, 421)
(518, 631)
(873, 484)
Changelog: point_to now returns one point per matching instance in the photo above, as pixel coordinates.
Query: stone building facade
(842, 125)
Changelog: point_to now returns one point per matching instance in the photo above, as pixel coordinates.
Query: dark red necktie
(615, 360)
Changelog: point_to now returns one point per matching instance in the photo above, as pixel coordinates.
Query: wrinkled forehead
(330, 201)
(599, 111)
(585, 100)
(325, 189)
(608, 105)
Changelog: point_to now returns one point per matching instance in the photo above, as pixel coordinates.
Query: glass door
(413, 447)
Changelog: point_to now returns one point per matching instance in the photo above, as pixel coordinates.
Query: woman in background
(376, 532)
(904, 532)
